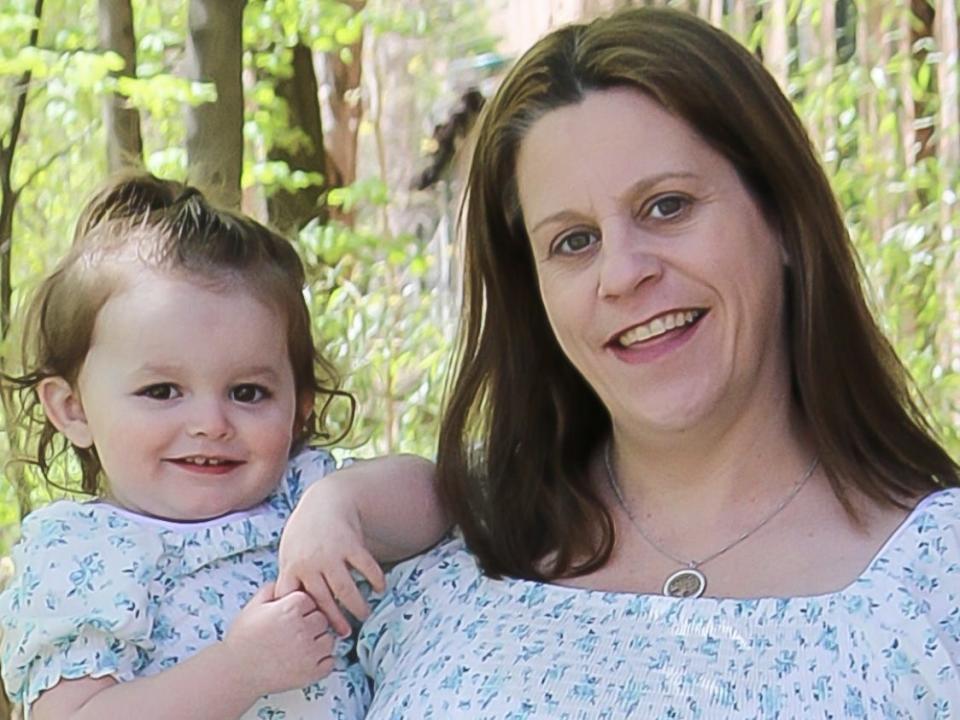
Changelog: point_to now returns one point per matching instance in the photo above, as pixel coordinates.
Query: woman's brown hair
(521, 424)
(169, 226)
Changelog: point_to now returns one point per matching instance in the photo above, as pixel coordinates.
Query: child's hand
(322, 542)
(280, 643)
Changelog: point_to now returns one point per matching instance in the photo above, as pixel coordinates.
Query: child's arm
(273, 645)
(385, 508)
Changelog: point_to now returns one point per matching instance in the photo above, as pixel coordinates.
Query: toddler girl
(170, 352)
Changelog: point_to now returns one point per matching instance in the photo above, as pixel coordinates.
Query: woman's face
(661, 277)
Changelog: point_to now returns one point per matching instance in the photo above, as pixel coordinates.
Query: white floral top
(102, 591)
(448, 643)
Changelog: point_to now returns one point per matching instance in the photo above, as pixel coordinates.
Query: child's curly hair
(169, 226)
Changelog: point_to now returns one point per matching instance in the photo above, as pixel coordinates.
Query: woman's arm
(384, 510)
(273, 645)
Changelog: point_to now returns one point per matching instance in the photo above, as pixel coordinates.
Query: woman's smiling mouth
(658, 326)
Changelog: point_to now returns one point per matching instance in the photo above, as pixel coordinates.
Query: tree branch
(53, 158)
(22, 86)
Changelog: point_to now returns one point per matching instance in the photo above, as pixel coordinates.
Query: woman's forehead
(606, 146)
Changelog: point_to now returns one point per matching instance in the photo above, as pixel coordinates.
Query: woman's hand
(322, 542)
(383, 510)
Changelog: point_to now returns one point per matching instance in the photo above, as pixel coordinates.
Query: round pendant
(685, 583)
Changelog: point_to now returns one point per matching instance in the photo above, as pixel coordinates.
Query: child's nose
(208, 418)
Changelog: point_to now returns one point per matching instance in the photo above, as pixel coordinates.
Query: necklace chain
(694, 564)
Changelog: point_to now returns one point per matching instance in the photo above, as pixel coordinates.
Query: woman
(689, 474)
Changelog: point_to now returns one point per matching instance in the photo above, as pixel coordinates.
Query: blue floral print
(448, 643)
(101, 591)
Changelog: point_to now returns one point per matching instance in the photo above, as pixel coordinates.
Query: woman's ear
(62, 406)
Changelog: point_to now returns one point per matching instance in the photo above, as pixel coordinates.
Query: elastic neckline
(757, 601)
(178, 525)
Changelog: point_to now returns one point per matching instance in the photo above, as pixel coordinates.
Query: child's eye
(249, 393)
(668, 206)
(574, 243)
(160, 391)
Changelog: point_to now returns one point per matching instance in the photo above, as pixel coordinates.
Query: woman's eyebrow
(640, 186)
(646, 183)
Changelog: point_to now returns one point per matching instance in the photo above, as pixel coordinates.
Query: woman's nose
(626, 262)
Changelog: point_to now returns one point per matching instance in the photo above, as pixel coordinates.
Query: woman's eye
(249, 393)
(159, 391)
(574, 243)
(668, 206)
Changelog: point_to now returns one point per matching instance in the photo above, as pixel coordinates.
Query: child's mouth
(204, 464)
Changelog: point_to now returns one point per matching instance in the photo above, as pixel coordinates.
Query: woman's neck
(761, 452)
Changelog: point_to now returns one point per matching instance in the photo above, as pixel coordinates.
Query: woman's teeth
(658, 326)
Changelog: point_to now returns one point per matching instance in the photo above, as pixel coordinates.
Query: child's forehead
(156, 309)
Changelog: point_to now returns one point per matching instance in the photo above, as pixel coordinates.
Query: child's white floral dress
(448, 643)
(101, 591)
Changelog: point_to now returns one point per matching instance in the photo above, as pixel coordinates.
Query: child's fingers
(365, 564)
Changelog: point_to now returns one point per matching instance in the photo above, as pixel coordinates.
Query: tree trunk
(775, 46)
(8, 205)
(948, 156)
(711, 11)
(919, 20)
(828, 47)
(948, 85)
(122, 123)
(879, 150)
(346, 110)
(8, 202)
(740, 24)
(215, 130)
(290, 211)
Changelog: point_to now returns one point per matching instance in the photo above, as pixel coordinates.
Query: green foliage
(377, 319)
(379, 312)
(899, 212)
(375, 311)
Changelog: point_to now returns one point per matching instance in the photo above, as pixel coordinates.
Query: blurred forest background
(344, 123)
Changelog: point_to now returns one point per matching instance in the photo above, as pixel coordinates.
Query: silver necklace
(690, 581)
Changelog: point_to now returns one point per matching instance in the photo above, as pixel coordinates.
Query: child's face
(189, 397)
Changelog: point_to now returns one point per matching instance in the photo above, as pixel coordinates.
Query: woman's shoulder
(428, 581)
(444, 569)
(923, 553)
(935, 516)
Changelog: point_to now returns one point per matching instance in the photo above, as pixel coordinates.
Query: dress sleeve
(78, 604)
(304, 469)
(932, 577)
(419, 590)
